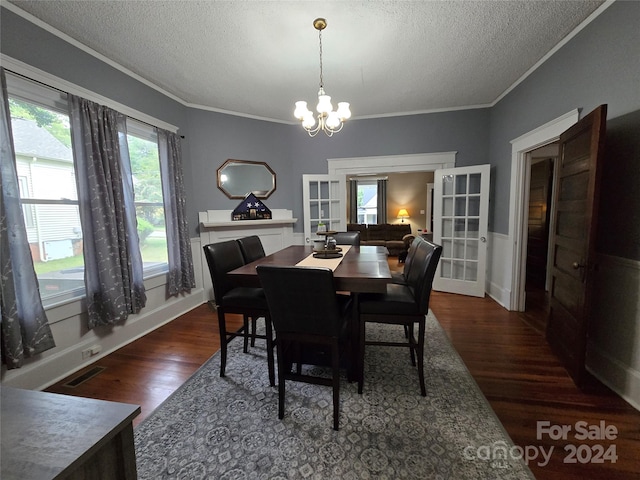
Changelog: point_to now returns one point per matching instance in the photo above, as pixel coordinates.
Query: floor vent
(84, 377)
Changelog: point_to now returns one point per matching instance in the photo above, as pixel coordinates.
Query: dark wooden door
(573, 240)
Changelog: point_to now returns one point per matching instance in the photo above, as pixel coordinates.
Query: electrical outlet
(91, 351)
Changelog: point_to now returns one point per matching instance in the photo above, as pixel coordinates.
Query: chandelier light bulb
(301, 110)
(333, 121)
(308, 121)
(343, 111)
(324, 104)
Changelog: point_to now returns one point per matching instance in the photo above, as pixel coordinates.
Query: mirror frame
(258, 193)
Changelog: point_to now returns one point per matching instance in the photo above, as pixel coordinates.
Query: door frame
(518, 197)
(419, 162)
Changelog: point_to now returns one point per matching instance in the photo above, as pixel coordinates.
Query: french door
(324, 199)
(460, 219)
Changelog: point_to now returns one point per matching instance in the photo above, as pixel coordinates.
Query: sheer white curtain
(113, 264)
(181, 274)
(25, 329)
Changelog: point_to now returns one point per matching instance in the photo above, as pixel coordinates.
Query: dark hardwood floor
(509, 359)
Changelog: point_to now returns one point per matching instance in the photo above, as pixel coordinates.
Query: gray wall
(463, 131)
(24, 41)
(600, 65)
(215, 138)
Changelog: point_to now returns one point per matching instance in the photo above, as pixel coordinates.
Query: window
(367, 201)
(147, 186)
(46, 176)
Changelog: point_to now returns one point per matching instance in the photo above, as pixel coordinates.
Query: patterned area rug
(228, 428)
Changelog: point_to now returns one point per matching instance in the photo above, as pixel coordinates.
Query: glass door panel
(461, 213)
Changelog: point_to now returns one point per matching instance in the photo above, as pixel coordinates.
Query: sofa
(396, 237)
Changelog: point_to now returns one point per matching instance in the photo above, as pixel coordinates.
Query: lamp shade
(403, 214)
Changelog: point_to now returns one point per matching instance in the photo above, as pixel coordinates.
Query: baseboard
(500, 294)
(619, 377)
(44, 372)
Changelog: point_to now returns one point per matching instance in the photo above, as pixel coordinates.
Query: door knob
(577, 265)
(483, 239)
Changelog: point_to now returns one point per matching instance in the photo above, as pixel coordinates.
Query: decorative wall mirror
(238, 178)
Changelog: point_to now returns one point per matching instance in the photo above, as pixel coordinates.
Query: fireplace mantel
(248, 223)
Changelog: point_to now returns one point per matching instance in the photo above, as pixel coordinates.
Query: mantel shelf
(247, 223)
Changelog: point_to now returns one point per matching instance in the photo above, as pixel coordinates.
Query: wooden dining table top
(362, 269)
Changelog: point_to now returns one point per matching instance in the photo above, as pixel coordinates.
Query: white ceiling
(256, 58)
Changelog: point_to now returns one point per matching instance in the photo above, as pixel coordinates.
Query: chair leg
(420, 354)
(245, 331)
(270, 361)
(335, 361)
(223, 341)
(412, 344)
(254, 321)
(360, 347)
(281, 372)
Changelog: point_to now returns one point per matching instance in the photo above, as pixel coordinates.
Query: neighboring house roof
(33, 141)
(369, 198)
(372, 202)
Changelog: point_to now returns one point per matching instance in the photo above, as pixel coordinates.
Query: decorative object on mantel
(329, 122)
(251, 209)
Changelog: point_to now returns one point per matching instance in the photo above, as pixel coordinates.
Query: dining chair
(250, 302)
(405, 305)
(401, 277)
(347, 238)
(312, 325)
(252, 249)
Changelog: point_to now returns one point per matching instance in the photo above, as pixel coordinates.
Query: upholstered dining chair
(312, 325)
(405, 305)
(347, 238)
(401, 277)
(250, 302)
(251, 248)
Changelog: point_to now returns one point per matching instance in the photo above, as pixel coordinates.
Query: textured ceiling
(256, 58)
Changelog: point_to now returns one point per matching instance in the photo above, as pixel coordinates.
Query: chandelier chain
(320, 38)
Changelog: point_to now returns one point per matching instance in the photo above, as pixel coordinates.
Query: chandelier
(329, 121)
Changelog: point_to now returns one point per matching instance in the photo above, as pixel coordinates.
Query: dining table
(360, 269)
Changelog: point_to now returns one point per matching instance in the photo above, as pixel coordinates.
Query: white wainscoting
(216, 226)
(498, 281)
(613, 353)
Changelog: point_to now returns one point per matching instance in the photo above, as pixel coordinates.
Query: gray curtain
(113, 264)
(353, 201)
(382, 201)
(181, 274)
(25, 329)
